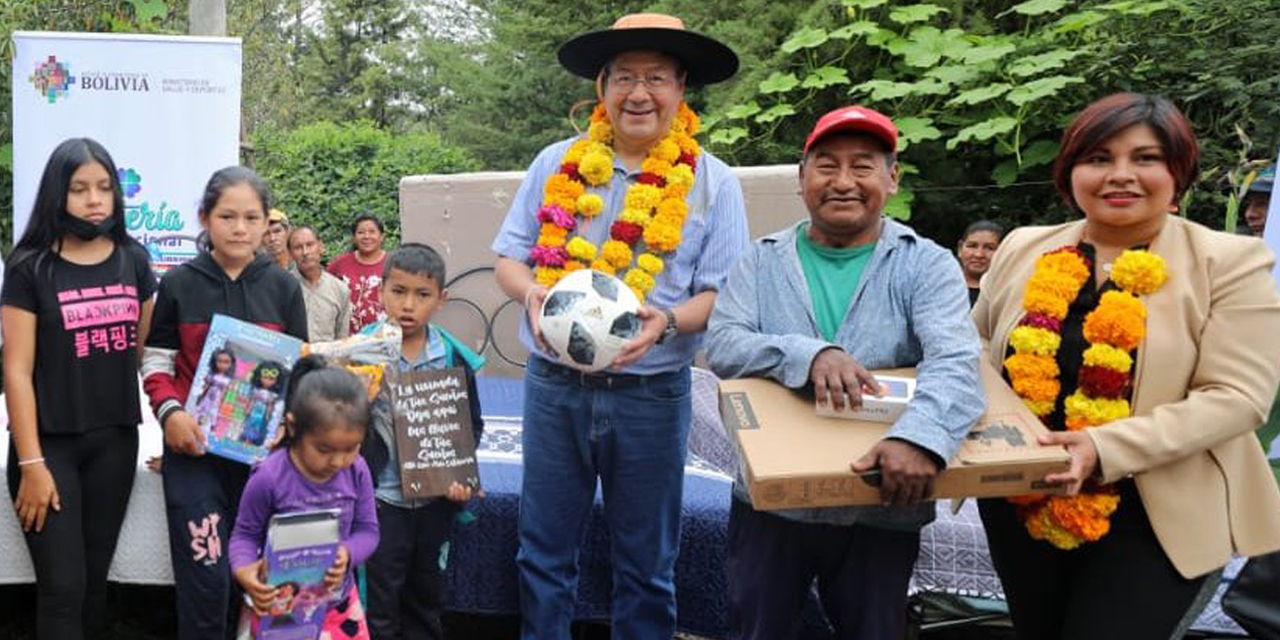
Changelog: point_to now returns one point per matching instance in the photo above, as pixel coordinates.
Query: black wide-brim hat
(705, 59)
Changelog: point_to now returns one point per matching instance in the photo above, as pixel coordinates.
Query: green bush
(326, 174)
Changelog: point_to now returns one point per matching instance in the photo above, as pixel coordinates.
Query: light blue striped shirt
(911, 309)
(714, 235)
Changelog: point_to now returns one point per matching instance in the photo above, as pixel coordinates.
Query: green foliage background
(326, 174)
(980, 88)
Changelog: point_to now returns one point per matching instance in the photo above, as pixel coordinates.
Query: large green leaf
(1036, 7)
(1041, 62)
(980, 94)
(806, 38)
(915, 13)
(859, 28)
(1041, 88)
(1079, 21)
(1136, 8)
(775, 112)
(881, 90)
(824, 77)
(899, 206)
(1005, 172)
(728, 135)
(912, 130)
(954, 75)
(145, 11)
(988, 52)
(927, 45)
(1039, 152)
(779, 82)
(863, 4)
(982, 131)
(740, 111)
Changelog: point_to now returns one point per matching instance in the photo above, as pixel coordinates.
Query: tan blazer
(1205, 378)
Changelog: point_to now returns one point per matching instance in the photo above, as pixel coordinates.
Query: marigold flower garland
(654, 210)
(1113, 329)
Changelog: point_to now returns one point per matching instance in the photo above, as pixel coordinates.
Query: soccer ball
(587, 317)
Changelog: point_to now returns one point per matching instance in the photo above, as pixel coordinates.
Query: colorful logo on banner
(159, 229)
(52, 79)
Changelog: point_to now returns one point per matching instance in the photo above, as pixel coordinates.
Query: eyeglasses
(652, 82)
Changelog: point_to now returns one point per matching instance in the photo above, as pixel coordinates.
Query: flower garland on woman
(1113, 329)
(654, 210)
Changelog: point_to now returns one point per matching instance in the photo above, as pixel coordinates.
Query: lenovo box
(793, 457)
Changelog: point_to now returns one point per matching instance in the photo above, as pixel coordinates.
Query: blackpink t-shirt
(86, 365)
(364, 281)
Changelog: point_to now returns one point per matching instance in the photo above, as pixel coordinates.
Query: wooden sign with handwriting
(434, 438)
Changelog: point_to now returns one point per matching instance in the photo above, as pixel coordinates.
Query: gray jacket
(911, 309)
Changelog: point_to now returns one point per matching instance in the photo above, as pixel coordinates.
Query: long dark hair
(46, 227)
(320, 395)
(213, 360)
(220, 181)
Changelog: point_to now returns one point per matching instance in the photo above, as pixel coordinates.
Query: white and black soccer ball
(587, 317)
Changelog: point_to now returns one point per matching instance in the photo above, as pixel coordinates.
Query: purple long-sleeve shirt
(276, 486)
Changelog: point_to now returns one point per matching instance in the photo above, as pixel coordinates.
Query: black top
(973, 296)
(86, 364)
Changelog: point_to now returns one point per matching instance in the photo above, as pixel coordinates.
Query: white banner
(167, 109)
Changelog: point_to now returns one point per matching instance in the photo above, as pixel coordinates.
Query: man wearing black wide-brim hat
(635, 197)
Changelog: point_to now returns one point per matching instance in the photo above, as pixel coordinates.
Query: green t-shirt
(833, 276)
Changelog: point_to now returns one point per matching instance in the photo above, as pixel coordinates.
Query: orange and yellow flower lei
(654, 210)
(1113, 329)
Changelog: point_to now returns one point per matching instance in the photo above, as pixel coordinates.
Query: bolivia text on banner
(166, 107)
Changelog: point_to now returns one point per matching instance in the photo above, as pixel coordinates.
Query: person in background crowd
(1257, 200)
(974, 250)
(362, 270)
(328, 299)
(628, 427)
(911, 313)
(76, 305)
(202, 492)
(275, 240)
(1147, 343)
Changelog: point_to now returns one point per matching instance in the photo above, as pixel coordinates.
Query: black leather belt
(589, 380)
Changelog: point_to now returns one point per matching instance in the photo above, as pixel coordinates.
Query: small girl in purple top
(317, 465)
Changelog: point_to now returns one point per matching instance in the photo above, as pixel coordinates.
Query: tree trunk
(207, 17)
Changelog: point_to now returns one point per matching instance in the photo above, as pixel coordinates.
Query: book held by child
(300, 549)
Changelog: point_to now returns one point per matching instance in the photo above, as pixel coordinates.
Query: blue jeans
(631, 433)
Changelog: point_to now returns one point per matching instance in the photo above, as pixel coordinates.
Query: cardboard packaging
(792, 457)
(898, 391)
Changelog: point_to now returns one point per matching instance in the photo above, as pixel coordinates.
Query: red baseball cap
(855, 119)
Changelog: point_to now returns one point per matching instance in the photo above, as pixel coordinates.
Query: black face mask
(86, 230)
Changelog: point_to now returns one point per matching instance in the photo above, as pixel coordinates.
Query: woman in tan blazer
(1192, 483)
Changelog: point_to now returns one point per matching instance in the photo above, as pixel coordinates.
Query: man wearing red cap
(636, 197)
(819, 304)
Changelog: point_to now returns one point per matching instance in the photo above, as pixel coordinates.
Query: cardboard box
(792, 457)
(898, 391)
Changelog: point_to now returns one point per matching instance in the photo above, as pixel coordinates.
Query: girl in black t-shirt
(76, 305)
(202, 492)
